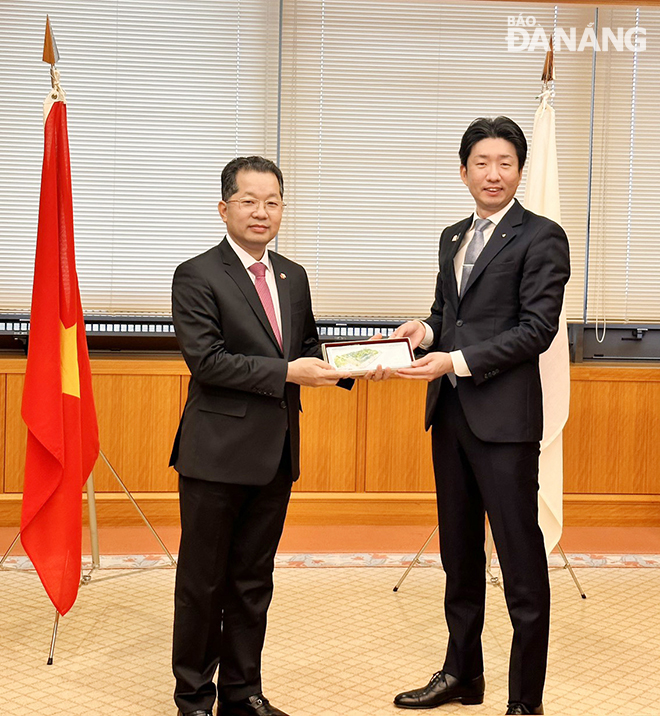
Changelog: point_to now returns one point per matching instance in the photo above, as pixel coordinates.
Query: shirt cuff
(427, 341)
(460, 366)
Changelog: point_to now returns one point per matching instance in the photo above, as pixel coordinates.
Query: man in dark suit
(498, 297)
(244, 322)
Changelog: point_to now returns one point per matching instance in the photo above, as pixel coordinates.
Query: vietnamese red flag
(58, 406)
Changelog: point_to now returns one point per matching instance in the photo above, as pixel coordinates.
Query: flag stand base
(416, 558)
(93, 524)
(9, 549)
(494, 579)
(94, 539)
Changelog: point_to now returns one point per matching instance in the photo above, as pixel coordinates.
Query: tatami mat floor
(340, 642)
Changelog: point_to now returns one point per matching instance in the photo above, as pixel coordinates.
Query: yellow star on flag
(69, 360)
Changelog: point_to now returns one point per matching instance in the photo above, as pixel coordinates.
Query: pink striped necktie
(259, 271)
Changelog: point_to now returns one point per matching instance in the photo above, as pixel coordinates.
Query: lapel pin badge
(504, 236)
(282, 275)
(455, 238)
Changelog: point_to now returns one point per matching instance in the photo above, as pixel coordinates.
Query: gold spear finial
(51, 55)
(549, 66)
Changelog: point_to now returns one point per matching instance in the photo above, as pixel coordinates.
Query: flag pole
(53, 638)
(51, 56)
(93, 528)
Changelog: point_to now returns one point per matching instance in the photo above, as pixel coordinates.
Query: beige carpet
(340, 642)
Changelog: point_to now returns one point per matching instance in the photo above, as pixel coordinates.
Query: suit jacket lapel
(283, 284)
(454, 246)
(234, 267)
(504, 232)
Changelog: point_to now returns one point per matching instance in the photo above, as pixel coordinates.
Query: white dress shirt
(460, 366)
(247, 260)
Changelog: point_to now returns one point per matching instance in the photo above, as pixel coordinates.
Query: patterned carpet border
(404, 560)
(375, 559)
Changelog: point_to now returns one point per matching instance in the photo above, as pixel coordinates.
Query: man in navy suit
(244, 322)
(498, 297)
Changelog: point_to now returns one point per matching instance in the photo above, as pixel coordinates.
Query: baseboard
(612, 510)
(347, 508)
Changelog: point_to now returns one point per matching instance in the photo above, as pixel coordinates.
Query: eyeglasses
(272, 206)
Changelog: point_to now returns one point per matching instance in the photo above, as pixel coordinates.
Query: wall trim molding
(349, 508)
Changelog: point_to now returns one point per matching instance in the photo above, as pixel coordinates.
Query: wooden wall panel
(397, 447)
(329, 445)
(138, 417)
(3, 391)
(358, 447)
(611, 441)
(15, 435)
(185, 380)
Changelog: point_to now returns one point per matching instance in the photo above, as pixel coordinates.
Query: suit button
(459, 323)
(283, 404)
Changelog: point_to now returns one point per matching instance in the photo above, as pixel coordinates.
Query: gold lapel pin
(455, 238)
(282, 275)
(504, 236)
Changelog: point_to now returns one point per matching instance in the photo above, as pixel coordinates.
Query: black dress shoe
(515, 707)
(442, 688)
(257, 705)
(199, 712)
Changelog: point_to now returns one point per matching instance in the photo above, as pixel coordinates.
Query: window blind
(624, 248)
(160, 95)
(375, 98)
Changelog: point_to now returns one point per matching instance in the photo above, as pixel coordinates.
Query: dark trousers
(500, 479)
(224, 585)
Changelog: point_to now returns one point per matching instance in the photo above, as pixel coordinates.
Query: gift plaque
(359, 357)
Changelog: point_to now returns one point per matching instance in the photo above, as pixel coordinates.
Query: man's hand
(313, 372)
(379, 373)
(414, 330)
(430, 367)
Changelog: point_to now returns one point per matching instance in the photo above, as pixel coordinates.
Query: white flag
(542, 197)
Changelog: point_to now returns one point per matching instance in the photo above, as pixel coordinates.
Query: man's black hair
(489, 128)
(247, 164)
